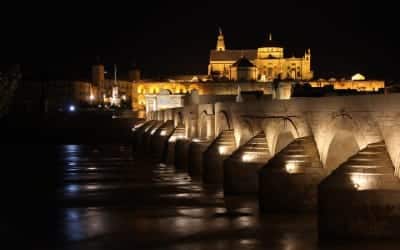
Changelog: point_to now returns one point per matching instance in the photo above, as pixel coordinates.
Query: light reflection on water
(166, 209)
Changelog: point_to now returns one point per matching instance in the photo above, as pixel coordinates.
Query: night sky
(61, 40)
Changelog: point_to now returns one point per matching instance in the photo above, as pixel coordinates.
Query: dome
(243, 63)
(358, 77)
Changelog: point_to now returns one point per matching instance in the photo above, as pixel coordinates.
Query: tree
(8, 85)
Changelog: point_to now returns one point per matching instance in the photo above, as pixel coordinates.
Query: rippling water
(109, 199)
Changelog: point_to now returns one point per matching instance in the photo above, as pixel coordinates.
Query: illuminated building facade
(263, 64)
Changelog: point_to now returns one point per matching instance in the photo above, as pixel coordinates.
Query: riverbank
(68, 127)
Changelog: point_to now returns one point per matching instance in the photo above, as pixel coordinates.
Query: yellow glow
(358, 77)
(139, 125)
(140, 89)
(174, 138)
(247, 157)
(141, 99)
(223, 150)
(360, 182)
(155, 90)
(91, 97)
(193, 87)
(163, 133)
(291, 167)
(195, 140)
(124, 97)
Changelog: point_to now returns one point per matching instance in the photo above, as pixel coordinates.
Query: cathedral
(263, 64)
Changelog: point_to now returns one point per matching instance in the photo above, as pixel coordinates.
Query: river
(108, 199)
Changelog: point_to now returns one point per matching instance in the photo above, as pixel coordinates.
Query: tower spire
(270, 36)
(220, 41)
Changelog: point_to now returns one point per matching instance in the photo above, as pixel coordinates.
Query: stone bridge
(337, 155)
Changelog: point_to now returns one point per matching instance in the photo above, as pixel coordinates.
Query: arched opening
(192, 126)
(283, 140)
(203, 126)
(342, 146)
(246, 131)
(223, 122)
(178, 119)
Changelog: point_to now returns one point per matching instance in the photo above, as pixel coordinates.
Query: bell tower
(220, 41)
(306, 67)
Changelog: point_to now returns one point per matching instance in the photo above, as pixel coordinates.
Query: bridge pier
(196, 150)
(241, 168)
(361, 198)
(181, 160)
(139, 134)
(148, 135)
(179, 132)
(159, 140)
(289, 181)
(214, 156)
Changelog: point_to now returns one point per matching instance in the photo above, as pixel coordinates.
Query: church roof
(232, 55)
(243, 63)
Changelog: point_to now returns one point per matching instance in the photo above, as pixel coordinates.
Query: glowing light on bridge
(137, 126)
(223, 150)
(360, 182)
(292, 168)
(248, 157)
(174, 138)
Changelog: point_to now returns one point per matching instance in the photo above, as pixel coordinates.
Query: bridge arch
(282, 140)
(341, 140)
(178, 118)
(223, 122)
(206, 125)
(280, 132)
(191, 124)
(247, 131)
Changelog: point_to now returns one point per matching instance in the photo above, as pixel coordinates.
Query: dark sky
(61, 39)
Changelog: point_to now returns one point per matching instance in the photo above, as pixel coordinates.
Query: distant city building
(262, 71)
(263, 64)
